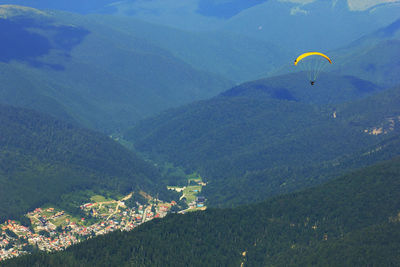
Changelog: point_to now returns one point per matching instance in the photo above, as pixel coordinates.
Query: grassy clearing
(99, 198)
(191, 192)
(196, 209)
(194, 177)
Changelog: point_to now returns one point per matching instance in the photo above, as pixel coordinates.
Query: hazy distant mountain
(292, 24)
(295, 24)
(238, 40)
(317, 25)
(207, 8)
(237, 57)
(375, 57)
(43, 158)
(271, 136)
(350, 221)
(104, 78)
(87, 6)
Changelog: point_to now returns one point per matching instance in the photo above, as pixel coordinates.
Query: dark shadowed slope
(328, 89)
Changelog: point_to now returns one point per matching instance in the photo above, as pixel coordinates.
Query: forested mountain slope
(329, 88)
(43, 158)
(261, 140)
(350, 221)
(373, 57)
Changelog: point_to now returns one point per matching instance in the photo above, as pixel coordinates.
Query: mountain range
(302, 26)
(295, 25)
(227, 26)
(296, 174)
(102, 78)
(211, 136)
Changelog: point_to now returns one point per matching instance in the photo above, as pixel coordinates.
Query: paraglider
(312, 63)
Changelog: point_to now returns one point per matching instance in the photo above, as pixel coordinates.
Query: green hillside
(270, 136)
(102, 77)
(379, 63)
(350, 221)
(42, 159)
(373, 57)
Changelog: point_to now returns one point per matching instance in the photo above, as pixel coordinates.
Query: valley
(272, 136)
(199, 133)
(53, 229)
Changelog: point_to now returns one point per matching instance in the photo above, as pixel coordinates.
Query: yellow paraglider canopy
(311, 54)
(312, 63)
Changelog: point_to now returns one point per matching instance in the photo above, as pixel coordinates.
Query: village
(191, 194)
(54, 229)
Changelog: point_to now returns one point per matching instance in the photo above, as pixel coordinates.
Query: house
(200, 199)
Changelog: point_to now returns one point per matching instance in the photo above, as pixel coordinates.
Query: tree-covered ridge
(354, 217)
(43, 158)
(373, 57)
(248, 140)
(329, 88)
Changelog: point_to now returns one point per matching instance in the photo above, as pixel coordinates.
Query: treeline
(349, 221)
(377, 245)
